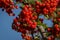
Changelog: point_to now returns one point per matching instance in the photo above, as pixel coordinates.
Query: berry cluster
(55, 31)
(8, 5)
(51, 37)
(56, 20)
(28, 17)
(58, 13)
(46, 6)
(26, 37)
(26, 20)
(17, 26)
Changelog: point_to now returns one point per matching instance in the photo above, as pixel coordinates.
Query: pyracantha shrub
(29, 23)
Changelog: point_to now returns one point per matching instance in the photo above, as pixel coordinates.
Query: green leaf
(40, 0)
(45, 26)
(36, 38)
(47, 34)
(22, 5)
(46, 16)
(55, 14)
(31, 1)
(38, 22)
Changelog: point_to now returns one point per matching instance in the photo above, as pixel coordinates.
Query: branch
(42, 31)
(32, 35)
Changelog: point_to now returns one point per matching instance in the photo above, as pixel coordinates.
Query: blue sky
(6, 32)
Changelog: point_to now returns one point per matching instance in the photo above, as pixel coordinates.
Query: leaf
(47, 34)
(41, 24)
(45, 26)
(31, 1)
(36, 38)
(22, 5)
(38, 22)
(39, 0)
(46, 16)
(55, 14)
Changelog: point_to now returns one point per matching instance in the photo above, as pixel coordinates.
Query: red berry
(48, 29)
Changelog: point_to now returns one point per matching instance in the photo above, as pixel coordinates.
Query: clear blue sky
(6, 32)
